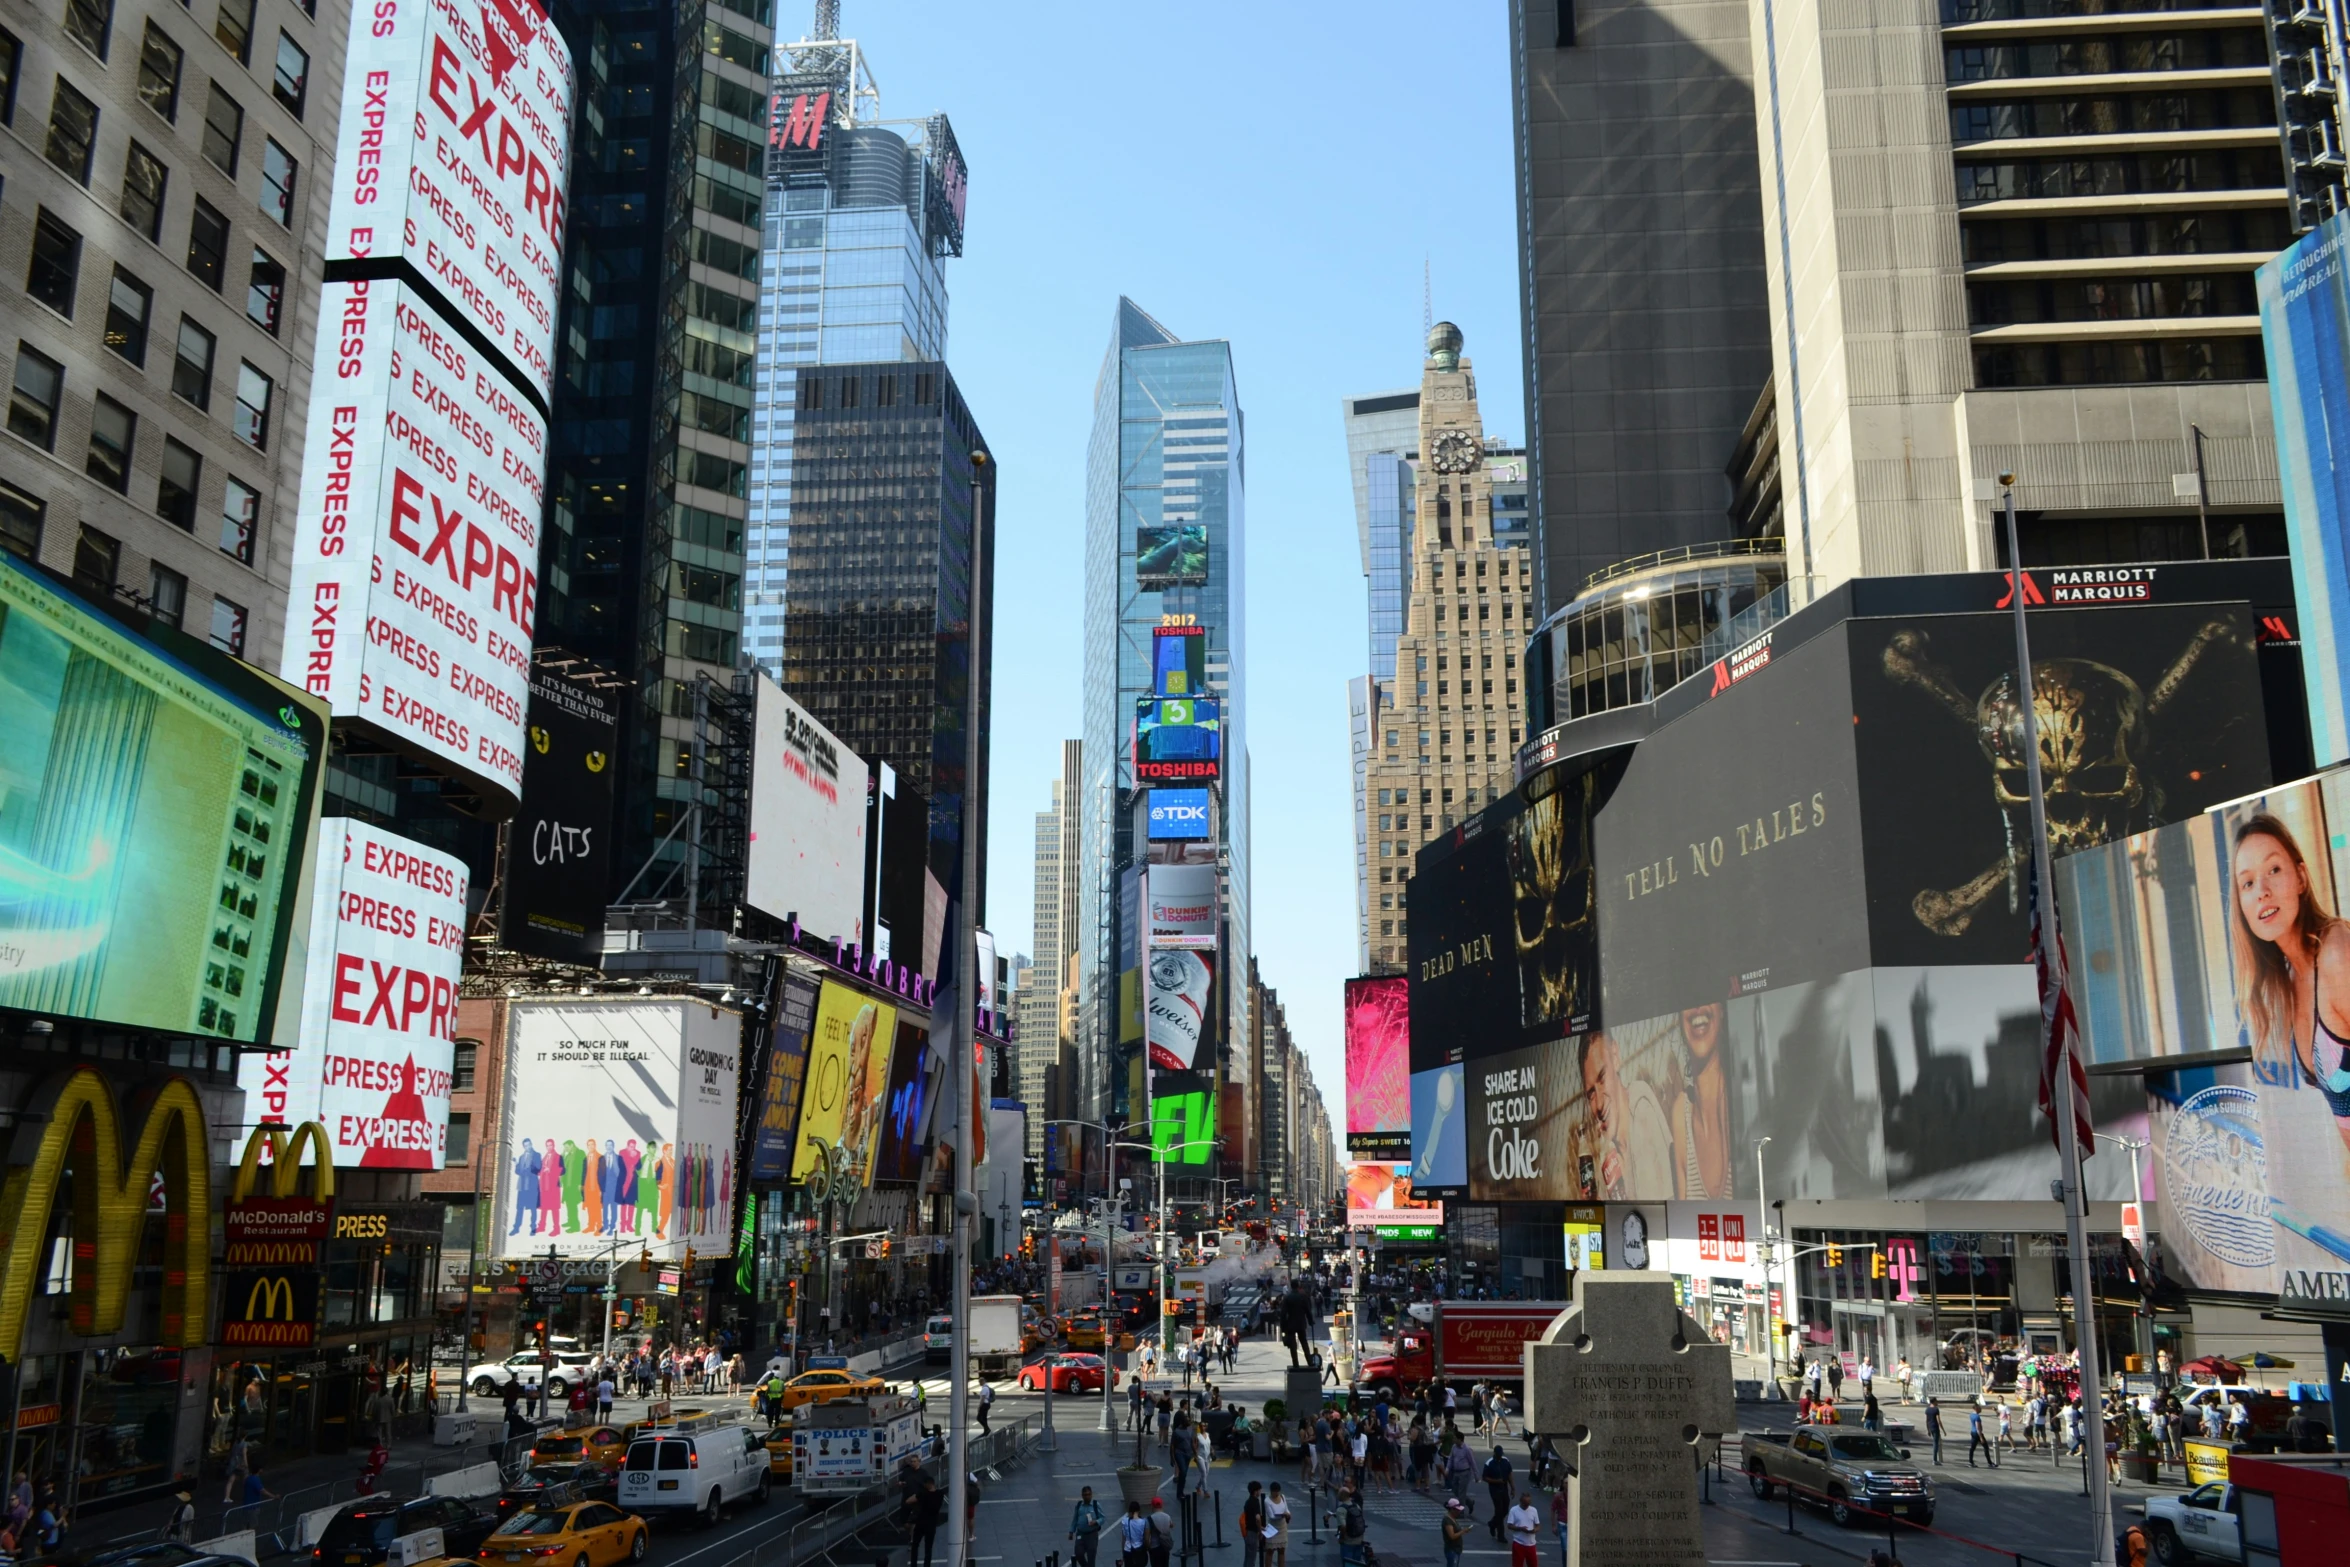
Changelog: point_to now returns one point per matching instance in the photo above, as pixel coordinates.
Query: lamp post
(1111, 1205)
(1762, 1208)
(2143, 1317)
(970, 987)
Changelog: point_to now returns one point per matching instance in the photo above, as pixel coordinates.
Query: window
(228, 627)
(96, 559)
(73, 129)
(292, 83)
(191, 369)
(175, 495)
(277, 182)
(240, 520)
(265, 295)
(224, 130)
(143, 179)
(208, 244)
(460, 1138)
(56, 267)
(159, 72)
(20, 521)
(461, 1079)
(250, 423)
(90, 23)
(113, 428)
(32, 400)
(11, 69)
(167, 595)
(233, 26)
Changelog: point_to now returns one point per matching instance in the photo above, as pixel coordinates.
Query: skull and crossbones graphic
(2095, 728)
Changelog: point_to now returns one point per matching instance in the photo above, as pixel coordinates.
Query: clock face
(1455, 451)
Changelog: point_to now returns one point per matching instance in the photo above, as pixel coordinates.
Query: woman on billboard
(2292, 962)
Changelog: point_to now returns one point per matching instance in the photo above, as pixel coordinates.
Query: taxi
(779, 1454)
(677, 1420)
(603, 1446)
(1085, 1332)
(579, 1534)
(822, 1387)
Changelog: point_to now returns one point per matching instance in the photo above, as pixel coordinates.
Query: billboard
(1179, 661)
(452, 160)
(808, 816)
(1380, 1193)
(558, 869)
(1177, 738)
(787, 1072)
(1179, 1009)
(415, 570)
(1440, 1131)
(1183, 1123)
(2305, 330)
(155, 810)
(1378, 1067)
(1183, 906)
(914, 1083)
(1171, 556)
(1178, 814)
(837, 1102)
(379, 1011)
(620, 1120)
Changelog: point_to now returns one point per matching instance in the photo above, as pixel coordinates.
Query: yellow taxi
(822, 1387)
(677, 1420)
(1037, 1330)
(779, 1454)
(580, 1534)
(1085, 1331)
(603, 1446)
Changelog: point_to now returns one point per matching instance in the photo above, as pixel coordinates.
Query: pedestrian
(1180, 1452)
(1835, 1372)
(1085, 1528)
(1868, 1376)
(1276, 1528)
(255, 1493)
(1934, 1426)
(1162, 1533)
(181, 1525)
(1975, 1438)
(1252, 1526)
(1497, 1486)
(1559, 1513)
(926, 1509)
(1525, 1527)
(1871, 1417)
(1134, 1537)
(1901, 1374)
(1456, 1531)
(1459, 1467)
(2006, 1427)
(606, 1392)
(1166, 1414)
(239, 1453)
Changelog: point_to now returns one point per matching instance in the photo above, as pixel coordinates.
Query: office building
(1055, 937)
(1444, 727)
(1640, 248)
(165, 223)
(888, 506)
(2020, 243)
(1167, 454)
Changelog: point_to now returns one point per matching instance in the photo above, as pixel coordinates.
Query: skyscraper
(1167, 453)
(1055, 938)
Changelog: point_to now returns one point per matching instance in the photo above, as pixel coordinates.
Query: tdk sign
(1179, 813)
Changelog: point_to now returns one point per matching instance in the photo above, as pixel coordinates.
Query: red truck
(1470, 1341)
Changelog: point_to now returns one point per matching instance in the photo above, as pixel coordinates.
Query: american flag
(2059, 1030)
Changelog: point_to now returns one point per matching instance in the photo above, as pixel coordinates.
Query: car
(938, 1338)
(603, 1446)
(695, 1473)
(2206, 1523)
(822, 1387)
(554, 1484)
(1067, 1374)
(779, 1454)
(571, 1367)
(1085, 1331)
(2265, 1414)
(1859, 1475)
(570, 1534)
(361, 1535)
(162, 1553)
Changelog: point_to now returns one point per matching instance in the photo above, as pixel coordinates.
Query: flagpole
(2067, 1110)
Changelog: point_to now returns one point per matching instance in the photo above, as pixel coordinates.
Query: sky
(1272, 174)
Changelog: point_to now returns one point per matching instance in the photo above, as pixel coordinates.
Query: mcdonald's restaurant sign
(273, 1308)
(269, 1288)
(71, 1119)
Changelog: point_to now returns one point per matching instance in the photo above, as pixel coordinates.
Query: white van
(938, 1338)
(694, 1472)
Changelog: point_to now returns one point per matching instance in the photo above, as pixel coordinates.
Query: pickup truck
(2265, 1413)
(1466, 1341)
(2206, 1522)
(1842, 1469)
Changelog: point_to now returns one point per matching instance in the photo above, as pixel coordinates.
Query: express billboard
(415, 569)
(1183, 906)
(155, 816)
(558, 848)
(1378, 1067)
(2305, 331)
(379, 1010)
(452, 164)
(808, 818)
(620, 1123)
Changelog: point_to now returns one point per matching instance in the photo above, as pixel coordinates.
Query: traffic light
(1876, 1264)
(645, 1259)
(1835, 1257)
(689, 1259)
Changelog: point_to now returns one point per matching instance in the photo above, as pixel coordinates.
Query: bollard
(1220, 1541)
(1313, 1515)
(1791, 1509)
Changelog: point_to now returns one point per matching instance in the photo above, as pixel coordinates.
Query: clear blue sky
(1272, 174)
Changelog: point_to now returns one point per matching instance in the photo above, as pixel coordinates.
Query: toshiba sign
(379, 1004)
(454, 156)
(415, 578)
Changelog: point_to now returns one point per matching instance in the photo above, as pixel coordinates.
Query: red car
(1068, 1374)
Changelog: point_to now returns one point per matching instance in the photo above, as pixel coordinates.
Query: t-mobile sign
(454, 155)
(379, 1005)
(415, 577)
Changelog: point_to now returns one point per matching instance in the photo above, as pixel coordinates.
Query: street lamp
(1762, 1201)
(2143, 1316)
(1111, 1206)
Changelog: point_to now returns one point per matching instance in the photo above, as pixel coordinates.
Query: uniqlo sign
(454, 155)
(415, 577)
(379, 1003)
(1709, 1237)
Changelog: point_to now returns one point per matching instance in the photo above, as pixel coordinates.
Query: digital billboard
(1179, 1010)
(914, 1082)
(620, 1126)
(1177, 739)
(452, 162)
(379, 1007)
(1378, 1067)
(155, 817)
(808, 818)
(1379, 1193)
(2305, 332)
(1183, 906)
(1178, 814)
(836, 1106)
(1183, 1124)
(1440, 1130)
(787, 1074)
(1171, 556)
(415, 561)
(558, 869)
(1179, 661)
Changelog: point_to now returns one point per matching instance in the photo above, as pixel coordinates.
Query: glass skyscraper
(1167, 449)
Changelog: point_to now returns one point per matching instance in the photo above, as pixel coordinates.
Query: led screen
(1183, 1126)
(838, 1102)
(1378, 1066)
(808, 819)
(2304, 306)
(1179, 1009)
(787, 1074)
(1178, 814)
(1380, 1193)
(559, 856)
(1183, 906)
(1179, 661)
(1172, 556)
(1177, 738)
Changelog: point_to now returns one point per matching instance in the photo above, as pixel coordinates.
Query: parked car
(575, 1534)
(1842, 1469)
(2205, 1523)
(2266, 1414)
(569, 1370)
(361, 1535)
(1067, 1374)
(695, 1473)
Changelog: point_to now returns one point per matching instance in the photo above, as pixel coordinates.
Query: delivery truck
(995, 1331)
(1466, 1341)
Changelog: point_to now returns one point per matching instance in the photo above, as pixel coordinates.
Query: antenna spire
(1427, 298)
